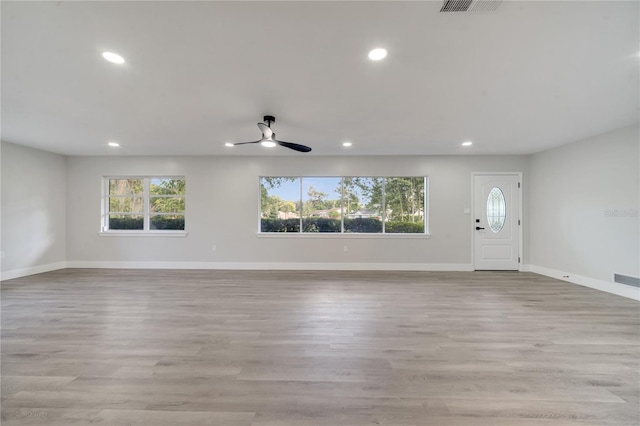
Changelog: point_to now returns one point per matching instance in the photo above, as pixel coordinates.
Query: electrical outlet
(346, 248)
(214, 248)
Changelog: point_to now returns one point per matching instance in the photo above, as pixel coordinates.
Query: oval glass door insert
(496, 209)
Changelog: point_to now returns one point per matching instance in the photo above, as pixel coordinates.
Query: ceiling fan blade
(244, 143)
(266, 130)
(294, 146)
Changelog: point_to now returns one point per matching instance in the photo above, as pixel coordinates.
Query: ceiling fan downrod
(269, 119)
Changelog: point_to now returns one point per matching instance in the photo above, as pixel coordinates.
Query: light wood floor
(131, 347)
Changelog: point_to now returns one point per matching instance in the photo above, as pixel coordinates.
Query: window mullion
(106, 205)
(146, 202)
(424, 204)
(301, 204)
(342, 205)
(384, 203)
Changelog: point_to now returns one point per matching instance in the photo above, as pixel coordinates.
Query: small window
(166, 204)
(144, 204)
(496, 210)
(126, 204)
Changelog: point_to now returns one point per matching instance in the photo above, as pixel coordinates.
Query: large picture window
(356, 204)
(143, 204)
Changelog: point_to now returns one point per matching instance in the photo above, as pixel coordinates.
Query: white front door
(496, 222)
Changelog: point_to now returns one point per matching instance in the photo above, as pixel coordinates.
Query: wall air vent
(625, 279)
(470, 5)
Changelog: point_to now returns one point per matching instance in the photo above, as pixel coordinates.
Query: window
(362, 197)
(143, 204)
(279, 204)
(404, 202)
(496, 210)
(321, 205)
(358, 204)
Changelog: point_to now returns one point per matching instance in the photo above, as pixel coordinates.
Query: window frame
(342, 233)
(146, 213)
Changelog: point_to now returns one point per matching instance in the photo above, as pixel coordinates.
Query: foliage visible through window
(362, 198)
(143, 204)
(404, 201)
(343, 204)
(321, 206)
(280, 204)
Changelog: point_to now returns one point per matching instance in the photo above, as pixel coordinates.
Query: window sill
(347, 235)
(142, 234)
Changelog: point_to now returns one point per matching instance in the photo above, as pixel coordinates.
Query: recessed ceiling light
(113, 144)
(113, 57)
(229, 144)
(346, 144)
(377, 54)
(268, 144)
(467, 143)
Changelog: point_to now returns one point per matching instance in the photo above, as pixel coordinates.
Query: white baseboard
(23, 272)
(275, 266)
(609, 287)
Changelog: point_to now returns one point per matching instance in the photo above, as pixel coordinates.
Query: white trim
(146, 201)
(606, 286)
(294, 266)
(383, 207)
(31, 270)
(337, 235)
(425, 213)
(142, 234)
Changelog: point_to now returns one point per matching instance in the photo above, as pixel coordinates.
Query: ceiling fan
(269, 138)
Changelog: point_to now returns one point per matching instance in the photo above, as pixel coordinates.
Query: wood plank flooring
(276, 348)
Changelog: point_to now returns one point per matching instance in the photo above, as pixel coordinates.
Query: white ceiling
(530, 76)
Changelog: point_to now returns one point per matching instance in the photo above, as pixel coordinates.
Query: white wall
(580, 212)
(33, 211)
(222, 209)
(584, 210)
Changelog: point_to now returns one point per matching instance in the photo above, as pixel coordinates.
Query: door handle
(478, 228)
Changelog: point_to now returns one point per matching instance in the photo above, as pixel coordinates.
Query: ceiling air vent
(470, 5)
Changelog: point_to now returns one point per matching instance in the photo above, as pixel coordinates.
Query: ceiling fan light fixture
(346, 144)
(113, 57)
(268, 144)
(467, 143)
(228, 144)
(377, 54)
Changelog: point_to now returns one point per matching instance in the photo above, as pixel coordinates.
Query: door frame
(473, 215)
